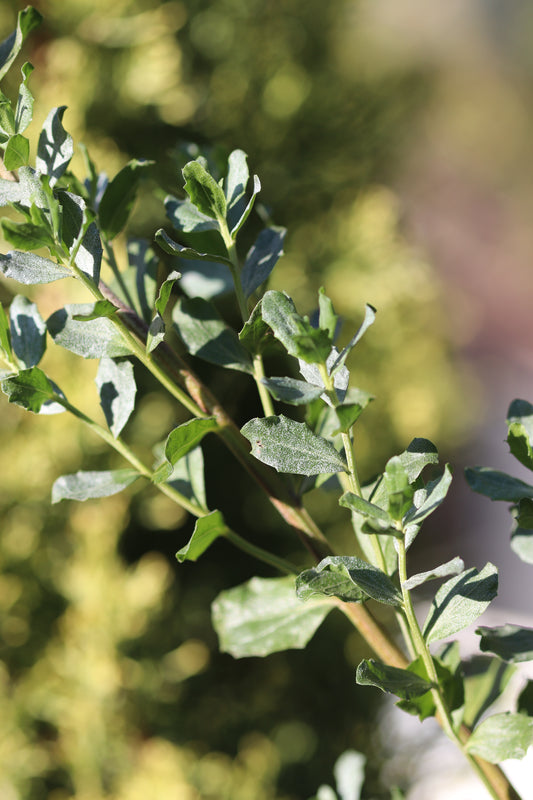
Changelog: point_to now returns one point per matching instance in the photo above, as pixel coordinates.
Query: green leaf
(428, 499)
(327, 318)
(261, 259)
(419, 454)
(30, 389)
(207, 336)
(401, 682)
(351, 575)
(94, 338)
(295, 333)
(460, 601)
(367, 509)
(370, 316)
(264, 616)
(497, 485)
(237, 177)
(17, 152)
(291, 446)
(188, 477)
(355, 402)
(174, 249)
(341, 379)
(180, 441)
(24, 109)
(156, 331)
(291, 391)
(256, 335)
(502, 736)
(26, 236)
(485, 680)
(116, 387)
(7, 118)
(119, 197)
(185, 217)
(28, 332)
(450, 684)
(26, 191)
(55, 147)
(522, 544)
(5, 336)
(520, 431)
(89, 485)
(524, 704)
(27, 20)
(245, 214)
(141, 277)
(102, 309)
(204, 191)
(453, 567)
(81, 235)
(398, 489)
(206, 530)
(509, 642)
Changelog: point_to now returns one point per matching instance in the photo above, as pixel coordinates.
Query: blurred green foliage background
(110, 680)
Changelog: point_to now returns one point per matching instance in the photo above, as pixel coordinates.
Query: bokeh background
(394, 143)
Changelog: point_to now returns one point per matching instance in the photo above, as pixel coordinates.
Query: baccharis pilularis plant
(64, 227)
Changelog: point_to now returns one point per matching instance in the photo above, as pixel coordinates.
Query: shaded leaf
(188, 477)
(355, 401)
(327, 318)
(370, 316)
(520, 431)
(95, 338)
(291, 446)
(26, 236)
(341, 379)
(367, 509)
(186, 218)
(485, 680)
(419, 454)
(89, 485)
(291, 391)
(362, 575)
(509, 642)
(116, 386)
(119, 196)
(262, 258)
(141, 277)
(401, 682)
(460, 601)
(174, 249)
(207, 336)
(264, 616)
(28, 332)
(428, 499)
(55, 147)
(497, 485)
(27, 20)
(450, 683)
(295, 333)
(206, 530)
(245, 214)
(180, 441)
(256, 335)
(502, 736)
(24, 109)
(156, 331)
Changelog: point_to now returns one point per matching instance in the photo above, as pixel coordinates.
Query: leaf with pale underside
(501, 736)
(206, 530)
(90, 485)
(264, 616)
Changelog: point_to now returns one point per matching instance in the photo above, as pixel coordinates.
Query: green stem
(259, 373)
(259, 553)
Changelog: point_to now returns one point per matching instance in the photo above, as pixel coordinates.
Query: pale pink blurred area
(466, 193)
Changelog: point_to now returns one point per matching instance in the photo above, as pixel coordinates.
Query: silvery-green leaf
(205, 279)
(24, 109)
(502, 736)
(428, 499)
(485, 679)
(401, 682)
(509, 642)
(291, 391)
(204, 191)
(453, 567)
(207, 336)
(366, 508)
(26, 190)
(370, 316)
(291, 446)
(27, 20)
(94, 338)
(206, 530)
(28, 332)
(460, 601)
(246, 212)
(264, 616)
(180, 441)
(175, 249)
(360, 574)
(497, 485)
(520, 431)
(295, 332)
(116, 386)
(141, 277)
(186, 218)
(349, 774)
(89, 485)
(237, 177)
(156, 331)
(55, 147)
(341, 378)
(29, 388)
(187, 477)
(262, 258)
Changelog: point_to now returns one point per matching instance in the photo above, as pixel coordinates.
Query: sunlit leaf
(206, 530)
(90, 485)
(502, 736)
